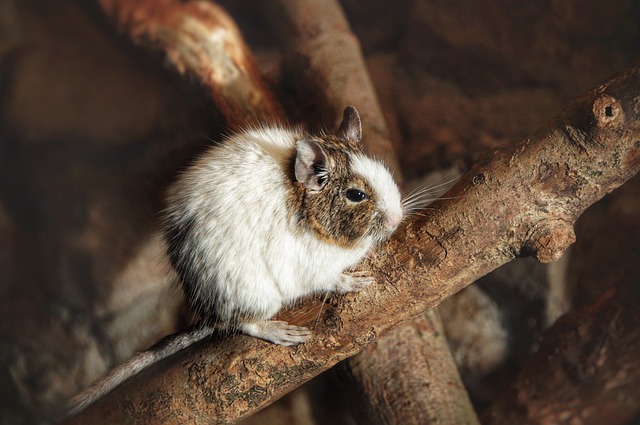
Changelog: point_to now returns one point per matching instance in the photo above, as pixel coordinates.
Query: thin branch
(520, 199)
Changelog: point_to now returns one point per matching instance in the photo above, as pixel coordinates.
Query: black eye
(356, 195)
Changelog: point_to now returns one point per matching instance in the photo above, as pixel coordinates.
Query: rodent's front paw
(355, 281)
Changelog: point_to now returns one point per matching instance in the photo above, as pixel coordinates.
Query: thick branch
(520, 199)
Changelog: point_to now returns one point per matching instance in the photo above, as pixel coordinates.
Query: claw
(278, 332)
(371, 254)
(355, 281)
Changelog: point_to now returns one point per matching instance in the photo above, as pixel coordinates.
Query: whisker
(430, 189)
(416, 214)
(324, 300)
(422, 194)
(418, 202)
(425, 200)
(416, 189)
(439, 185)
(411, 212)
(422, 191)
(421, 197)
(448, 181)
(426, 196)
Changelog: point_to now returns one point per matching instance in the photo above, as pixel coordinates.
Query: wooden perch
(325, 66)
(520, 199)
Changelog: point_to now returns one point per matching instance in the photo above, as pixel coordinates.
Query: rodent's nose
(393, 220)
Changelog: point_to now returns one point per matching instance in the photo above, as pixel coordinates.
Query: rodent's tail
(165, 348)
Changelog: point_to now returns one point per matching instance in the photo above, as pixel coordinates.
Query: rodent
(270, 215)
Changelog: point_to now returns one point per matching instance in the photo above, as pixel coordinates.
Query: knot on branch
(548, 242)
(608, 112)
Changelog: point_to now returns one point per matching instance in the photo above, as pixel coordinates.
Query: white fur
(379, 177)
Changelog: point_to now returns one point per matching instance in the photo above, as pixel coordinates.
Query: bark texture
(520, 199)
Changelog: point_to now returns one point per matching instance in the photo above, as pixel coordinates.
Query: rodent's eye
(356, 195)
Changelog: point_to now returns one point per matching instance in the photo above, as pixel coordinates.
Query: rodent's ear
(311, 167)
(351, 128)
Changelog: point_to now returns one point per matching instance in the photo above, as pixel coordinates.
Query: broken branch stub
(199, 38)
(522, 198)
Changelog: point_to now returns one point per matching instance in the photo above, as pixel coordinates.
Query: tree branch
(586, 369)
(520, 199)
(200, 39)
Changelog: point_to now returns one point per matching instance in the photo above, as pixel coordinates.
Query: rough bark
(200, 39)
(520, 199)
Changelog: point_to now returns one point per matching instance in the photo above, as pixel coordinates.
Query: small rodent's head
(342, 194)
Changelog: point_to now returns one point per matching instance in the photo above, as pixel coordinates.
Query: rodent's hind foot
(355, 281)
(277, 331)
